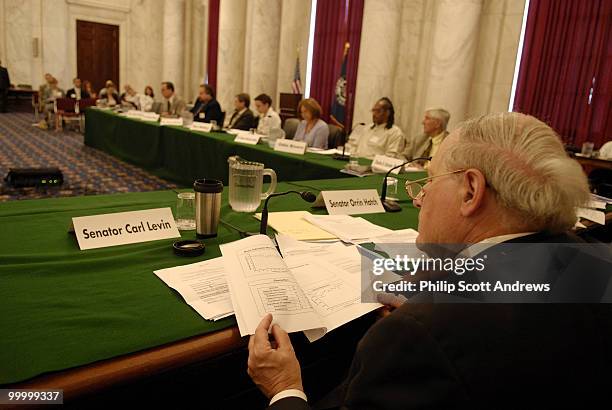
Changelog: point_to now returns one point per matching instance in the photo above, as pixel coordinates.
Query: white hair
(524, 162)
(439, 114)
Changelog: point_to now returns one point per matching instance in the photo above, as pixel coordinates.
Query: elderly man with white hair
(498, 179)
(434, 123)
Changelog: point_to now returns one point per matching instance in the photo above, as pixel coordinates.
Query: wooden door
(97, 53)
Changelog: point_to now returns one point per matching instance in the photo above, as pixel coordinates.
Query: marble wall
(456, 54)
(421, 53)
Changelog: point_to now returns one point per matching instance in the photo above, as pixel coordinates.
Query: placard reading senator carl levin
(352, 202)
(121, 228)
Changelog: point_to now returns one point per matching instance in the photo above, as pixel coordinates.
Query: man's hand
(390, 302)
(273, 369)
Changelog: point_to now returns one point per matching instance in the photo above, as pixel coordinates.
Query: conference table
(91, 321)
(180, 155)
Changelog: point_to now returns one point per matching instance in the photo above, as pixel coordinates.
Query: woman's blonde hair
(524, 161)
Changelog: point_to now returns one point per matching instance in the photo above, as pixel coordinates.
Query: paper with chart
(261, 283)
(203, 285)
(307, 289)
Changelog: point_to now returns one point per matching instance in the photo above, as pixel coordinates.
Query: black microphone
(343, 157)
(392, 206)
(306, 196)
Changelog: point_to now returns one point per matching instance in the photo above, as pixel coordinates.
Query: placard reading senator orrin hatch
(122, 228)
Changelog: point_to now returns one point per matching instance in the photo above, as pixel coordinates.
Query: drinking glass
(185, 211)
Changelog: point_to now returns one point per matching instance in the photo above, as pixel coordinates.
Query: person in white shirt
(382, 137)
(77, 92)
(147, 99)
(435, 122)
(172, 105)
(130, 98)
(268, 118)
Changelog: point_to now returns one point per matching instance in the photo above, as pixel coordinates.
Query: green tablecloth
(181, 155)
(61, 307)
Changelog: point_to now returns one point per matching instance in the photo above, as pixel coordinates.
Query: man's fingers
(261, 333)
(391, 300)
(281, 337)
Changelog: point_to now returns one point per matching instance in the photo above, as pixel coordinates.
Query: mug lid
(208, 186)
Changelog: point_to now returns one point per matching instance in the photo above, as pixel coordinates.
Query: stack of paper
(203, 285)
(295, 225)
(303, 293)
(346, 227)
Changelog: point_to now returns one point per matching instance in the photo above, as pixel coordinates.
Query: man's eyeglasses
(414, 189)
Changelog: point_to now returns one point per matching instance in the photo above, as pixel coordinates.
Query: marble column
(17, 27)
(452, 57)
(294, 31)
(377, 55)
(173, 43)
(261, 48)
(230, 59)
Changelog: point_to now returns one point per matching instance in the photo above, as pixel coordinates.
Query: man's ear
(473, 189)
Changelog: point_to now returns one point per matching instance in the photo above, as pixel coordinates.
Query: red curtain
(213, 42)
(337, 21)
(564, 77)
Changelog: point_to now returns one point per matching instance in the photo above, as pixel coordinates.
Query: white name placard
(290, 146)
(247, 138)
(352, 202)
(171, 121)
(134, 114)
(201, 126)
(383, 164)
(149, 116)
(121, 228)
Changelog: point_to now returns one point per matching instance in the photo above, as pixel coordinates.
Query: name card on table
(122, 228)
(201, 126)
(290, 146)
(247, 138)
(352, 202)
(134, 114)
(149, 116)
(171, 121)
(383, 164)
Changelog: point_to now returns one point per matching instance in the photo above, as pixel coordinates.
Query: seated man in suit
(382, 137)
(242, 118)
(500, 178)
(268, 118)
(207, 108)
(435, 122)
(172, 105)
(77, 92)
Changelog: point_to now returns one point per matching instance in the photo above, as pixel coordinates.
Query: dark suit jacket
(481, 356)
(245, 122)
(5, 81)
(211, 111)
(84, 94)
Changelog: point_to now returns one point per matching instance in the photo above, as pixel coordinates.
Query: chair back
(336, 136)
(86, 103)
(222, 119)
(290, 127)
(65, 104)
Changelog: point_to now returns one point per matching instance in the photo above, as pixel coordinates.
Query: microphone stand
(343, 156)
(389, 205)
(263, 227)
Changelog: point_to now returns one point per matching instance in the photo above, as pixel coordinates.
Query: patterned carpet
(86, 170)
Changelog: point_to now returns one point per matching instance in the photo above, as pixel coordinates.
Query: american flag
(296, 85)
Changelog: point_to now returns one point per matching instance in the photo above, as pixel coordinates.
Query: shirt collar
(438, 138)
(487, 243)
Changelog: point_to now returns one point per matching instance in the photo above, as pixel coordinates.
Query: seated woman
(109, 94)
(147, 99)
(312, 129)
(87, 87)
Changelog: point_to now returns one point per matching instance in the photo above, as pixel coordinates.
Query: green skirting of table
(181, 155)
(62, 307)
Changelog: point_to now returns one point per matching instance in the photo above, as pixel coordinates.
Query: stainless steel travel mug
(208, 206)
